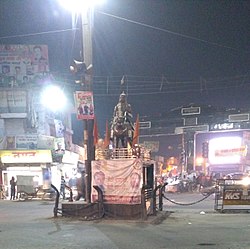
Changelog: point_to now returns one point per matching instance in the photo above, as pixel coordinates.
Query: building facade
(35, 142)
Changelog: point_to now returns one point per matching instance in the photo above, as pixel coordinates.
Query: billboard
(227, 151)
(20, 64)
(120, 180)
(84, 104)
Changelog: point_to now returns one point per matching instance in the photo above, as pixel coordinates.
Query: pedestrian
(62, 188)
(12, 188)
(80, 185)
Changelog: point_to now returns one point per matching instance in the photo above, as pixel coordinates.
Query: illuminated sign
(226, 150)
(224, 126)
(229, 152)
(236, 197)
(25, 156)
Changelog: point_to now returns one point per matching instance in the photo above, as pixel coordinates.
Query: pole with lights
(85, 74)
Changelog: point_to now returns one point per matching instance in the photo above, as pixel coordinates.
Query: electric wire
(172, 32)
(38, 33)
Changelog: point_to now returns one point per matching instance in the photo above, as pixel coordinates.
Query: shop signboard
(236, 197)
(26, 142)
(45, 142)
(25, 156)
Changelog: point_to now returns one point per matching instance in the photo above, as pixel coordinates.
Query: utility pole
(86, 28)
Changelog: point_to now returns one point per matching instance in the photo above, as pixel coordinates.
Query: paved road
(30, 224)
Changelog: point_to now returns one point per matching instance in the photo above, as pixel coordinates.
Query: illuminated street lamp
(53, 98)
(84, 8)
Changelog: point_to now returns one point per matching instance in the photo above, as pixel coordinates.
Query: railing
(120, 153)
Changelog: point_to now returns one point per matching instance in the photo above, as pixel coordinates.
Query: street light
(53, 98)
(77, 6)
(85, 10)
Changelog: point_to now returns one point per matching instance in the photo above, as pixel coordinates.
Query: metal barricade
(232, 195)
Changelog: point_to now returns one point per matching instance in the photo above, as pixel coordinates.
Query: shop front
(30, 168)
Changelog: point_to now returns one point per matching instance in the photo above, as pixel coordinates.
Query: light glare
(53, 98)
(76, 6)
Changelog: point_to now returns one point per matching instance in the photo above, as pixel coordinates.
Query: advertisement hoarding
(20, 64)
(84, 105)
(120, 180)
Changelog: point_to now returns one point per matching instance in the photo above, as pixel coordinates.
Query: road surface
(30, 224)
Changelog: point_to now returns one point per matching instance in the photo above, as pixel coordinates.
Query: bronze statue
(122, 126)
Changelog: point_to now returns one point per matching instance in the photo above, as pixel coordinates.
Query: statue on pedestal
(122, 127)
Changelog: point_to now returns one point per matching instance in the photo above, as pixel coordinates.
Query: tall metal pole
(86, 23)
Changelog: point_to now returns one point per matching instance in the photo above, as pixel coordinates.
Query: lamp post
(86, 28)
(85, 10)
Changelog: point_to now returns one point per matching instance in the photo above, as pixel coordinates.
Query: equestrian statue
(122, 127)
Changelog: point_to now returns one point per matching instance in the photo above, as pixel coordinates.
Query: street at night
(124, 124)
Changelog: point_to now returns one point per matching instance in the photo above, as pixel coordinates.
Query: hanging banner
(120, 180)
(84, 105)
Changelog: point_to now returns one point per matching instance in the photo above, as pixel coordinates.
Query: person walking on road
(12, 188)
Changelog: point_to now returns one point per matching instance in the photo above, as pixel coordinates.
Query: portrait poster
(119, 180)
(21, 64)
(84, 105)
(59, 128)
(59, 150)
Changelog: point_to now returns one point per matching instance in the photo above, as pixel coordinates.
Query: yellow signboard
(25, 156)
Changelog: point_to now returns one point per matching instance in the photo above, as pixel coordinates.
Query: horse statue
(121, 126)
(122, 134)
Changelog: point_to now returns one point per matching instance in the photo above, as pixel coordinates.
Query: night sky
(200, 50)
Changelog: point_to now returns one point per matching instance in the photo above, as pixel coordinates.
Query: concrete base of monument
(93, 211)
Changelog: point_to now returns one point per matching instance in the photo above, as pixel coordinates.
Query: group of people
(187, 183)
